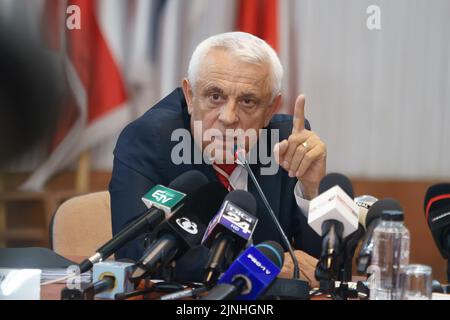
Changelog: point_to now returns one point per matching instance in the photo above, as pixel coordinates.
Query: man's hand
(303, 154)
(307, 265)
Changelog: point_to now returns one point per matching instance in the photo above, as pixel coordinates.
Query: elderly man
(234, 82)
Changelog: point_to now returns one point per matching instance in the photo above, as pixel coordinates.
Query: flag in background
(97, 102)
(259, 17)
(272, 21)
(126, 57)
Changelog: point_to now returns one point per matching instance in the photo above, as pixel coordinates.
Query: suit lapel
(267, 183)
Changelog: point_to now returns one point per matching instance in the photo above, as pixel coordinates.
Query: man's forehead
(222, 70)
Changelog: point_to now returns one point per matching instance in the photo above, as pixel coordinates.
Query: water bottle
(390, 254)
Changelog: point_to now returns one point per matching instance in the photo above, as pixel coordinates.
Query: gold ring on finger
(305, 145)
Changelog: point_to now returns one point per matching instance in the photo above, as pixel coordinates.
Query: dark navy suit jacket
(142, 158)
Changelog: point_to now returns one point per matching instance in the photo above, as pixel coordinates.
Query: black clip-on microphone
(281, 288)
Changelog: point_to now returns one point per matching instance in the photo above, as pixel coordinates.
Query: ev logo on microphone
(187, 225)
(161, 196)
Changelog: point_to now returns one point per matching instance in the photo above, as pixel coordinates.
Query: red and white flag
(92, 57)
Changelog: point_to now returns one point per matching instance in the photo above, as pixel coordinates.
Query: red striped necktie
(223, 173)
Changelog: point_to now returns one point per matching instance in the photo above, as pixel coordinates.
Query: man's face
(229, 95)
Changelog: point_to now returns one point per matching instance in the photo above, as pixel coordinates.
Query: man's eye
(215, 98)
(248, 103)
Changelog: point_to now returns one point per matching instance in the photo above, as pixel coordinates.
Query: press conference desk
(53, 291)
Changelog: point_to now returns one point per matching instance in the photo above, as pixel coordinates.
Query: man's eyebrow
(249, 95)
(215, 89)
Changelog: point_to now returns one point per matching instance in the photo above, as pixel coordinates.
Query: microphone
(182, 230)
(109, 278)
(228, 233)
(437, 213)
(333, 215)
(336, 179)
(334, 203)
(287, 288)
(250, 275)
(87, 291)
(372, 219)
(119, 272)
(161, 201)
(364, 203)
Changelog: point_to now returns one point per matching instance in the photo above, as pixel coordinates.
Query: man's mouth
(225, 139)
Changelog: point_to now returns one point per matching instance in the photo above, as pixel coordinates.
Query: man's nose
(228, 114)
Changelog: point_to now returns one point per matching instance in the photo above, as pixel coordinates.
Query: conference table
(53, 291)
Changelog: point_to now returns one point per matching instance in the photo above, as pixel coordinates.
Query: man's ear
(272, 109)
(188, 94)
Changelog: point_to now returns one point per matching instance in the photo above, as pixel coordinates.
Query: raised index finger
(299, 114)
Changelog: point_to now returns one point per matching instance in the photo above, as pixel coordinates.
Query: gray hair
(246, 47)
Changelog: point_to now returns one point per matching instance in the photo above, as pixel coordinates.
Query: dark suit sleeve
(135, 171)
(126, 188)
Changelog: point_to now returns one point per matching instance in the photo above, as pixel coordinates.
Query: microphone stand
(281, 288)
(331, 264)
(345, 268)
(326, 271)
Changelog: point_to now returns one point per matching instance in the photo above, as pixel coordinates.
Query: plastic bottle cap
(392, 215)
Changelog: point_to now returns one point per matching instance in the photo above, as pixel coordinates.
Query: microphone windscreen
(436, 197)
(333, 179)
(189, 181)
(378, 207)
(437, 213)
(206, 201)
(273, 251)
(364, 203)
(243, 199)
